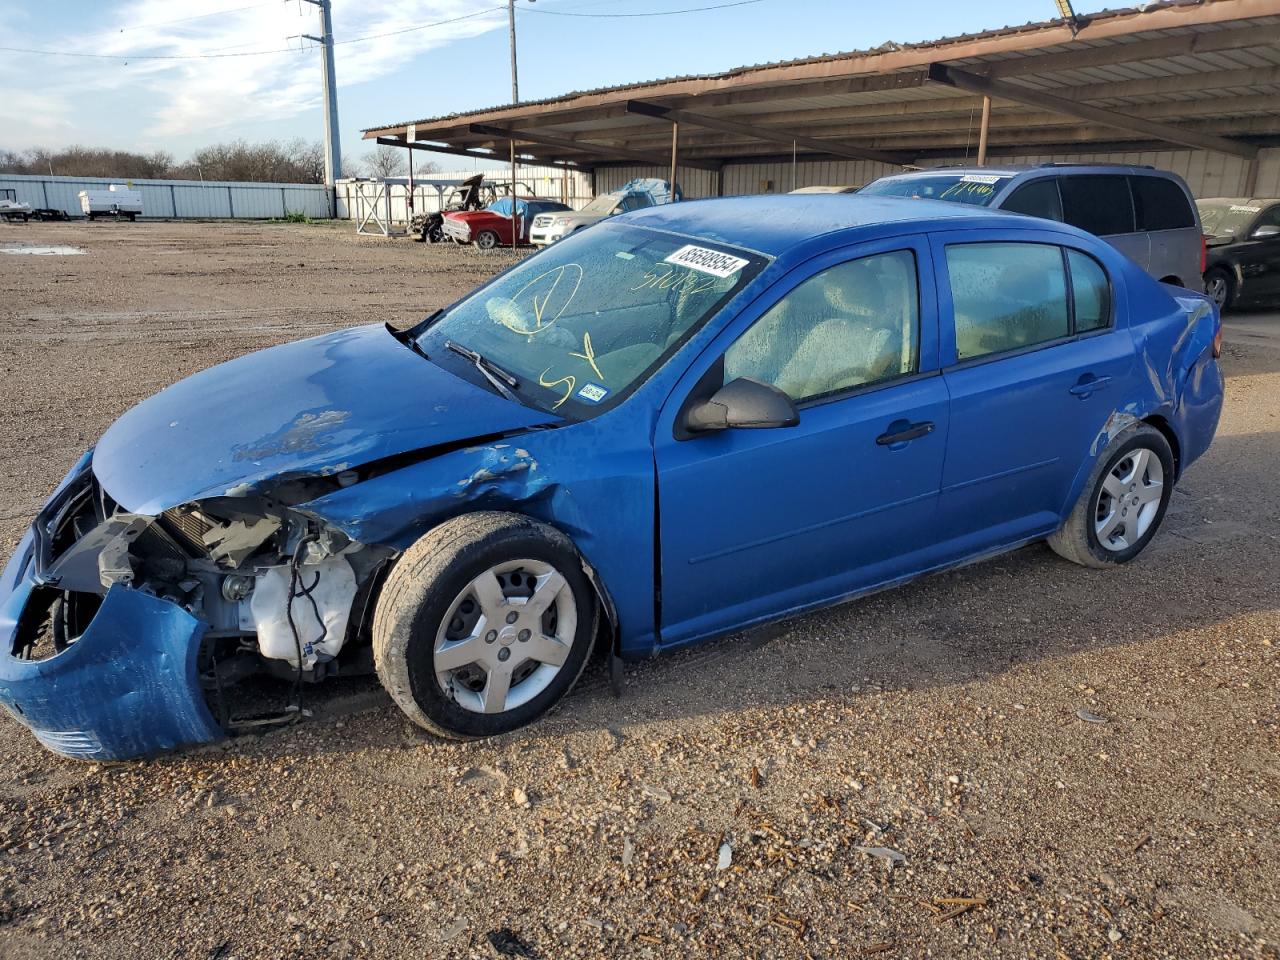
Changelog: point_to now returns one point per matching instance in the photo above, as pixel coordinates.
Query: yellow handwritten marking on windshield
(549, 299)
(588, 354)
(571, 380)
(964, 188)
(686, 283)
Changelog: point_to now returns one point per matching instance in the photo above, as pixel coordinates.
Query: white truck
(115, 201)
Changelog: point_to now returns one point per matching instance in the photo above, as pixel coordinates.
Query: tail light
(1204, 252)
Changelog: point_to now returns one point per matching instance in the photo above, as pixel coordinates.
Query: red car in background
(491, 227)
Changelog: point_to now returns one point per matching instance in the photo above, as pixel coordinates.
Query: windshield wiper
(502, 381)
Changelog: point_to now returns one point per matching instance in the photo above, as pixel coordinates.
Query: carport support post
(982, 131)
(513, 175)
(1250, 178)
(675, 148)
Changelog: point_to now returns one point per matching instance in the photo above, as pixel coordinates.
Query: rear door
(1033, 361)
(1165, 211)
(1102, 204)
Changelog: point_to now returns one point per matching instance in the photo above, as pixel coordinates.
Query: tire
(431, 605)
(1107, 526)
(1220, 287)
(486, 240)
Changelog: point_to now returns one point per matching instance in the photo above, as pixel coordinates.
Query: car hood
(470, 216)
(574, 217)
(314, 407)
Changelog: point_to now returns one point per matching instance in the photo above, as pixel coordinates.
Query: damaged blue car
(689, 420)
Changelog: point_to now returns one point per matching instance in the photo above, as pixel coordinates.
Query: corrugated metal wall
(1208, 174)
(180, 198)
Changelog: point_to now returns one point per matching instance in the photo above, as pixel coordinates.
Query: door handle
(902, 431)
(1089, 384)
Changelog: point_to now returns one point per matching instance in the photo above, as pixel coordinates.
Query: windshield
(585, 321)
(1226, 218)
(601, 204)
(975, 188)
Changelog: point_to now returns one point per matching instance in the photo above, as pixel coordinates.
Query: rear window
(975, 188)
(1161, 204)
(1100, 204)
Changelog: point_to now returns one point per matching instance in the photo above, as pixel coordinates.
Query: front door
(758, 523)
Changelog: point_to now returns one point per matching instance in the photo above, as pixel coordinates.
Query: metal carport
(1197, 79)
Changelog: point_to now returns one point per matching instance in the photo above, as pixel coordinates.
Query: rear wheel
(486, 239)
(1123, 502)
(1219, 287)
(483, 625)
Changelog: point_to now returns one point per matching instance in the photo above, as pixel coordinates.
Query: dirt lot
(939, 720)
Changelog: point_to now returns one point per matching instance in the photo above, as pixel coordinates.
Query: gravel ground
(740, 799)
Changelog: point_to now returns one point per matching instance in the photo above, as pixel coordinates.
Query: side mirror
(743, 403)
(1266, 232)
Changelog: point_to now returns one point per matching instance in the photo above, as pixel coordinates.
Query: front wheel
(1123, 502)
(486, 239)
(483, 625)
(1220, 288)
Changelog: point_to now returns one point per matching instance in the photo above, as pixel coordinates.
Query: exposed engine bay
(279, 593)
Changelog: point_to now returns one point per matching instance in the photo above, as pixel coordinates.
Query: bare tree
(385, 162)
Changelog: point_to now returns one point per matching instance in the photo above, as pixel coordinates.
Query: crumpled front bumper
(128, 687)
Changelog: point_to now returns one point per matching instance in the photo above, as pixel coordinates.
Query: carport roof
(1200, 74)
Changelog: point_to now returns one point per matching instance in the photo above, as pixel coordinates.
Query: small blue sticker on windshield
(593, 392)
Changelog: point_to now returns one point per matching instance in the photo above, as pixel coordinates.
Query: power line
(425, 26)
(655, 13)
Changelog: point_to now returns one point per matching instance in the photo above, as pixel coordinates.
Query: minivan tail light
(1204, 252)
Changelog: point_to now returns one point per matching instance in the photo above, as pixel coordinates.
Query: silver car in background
(1147, 214)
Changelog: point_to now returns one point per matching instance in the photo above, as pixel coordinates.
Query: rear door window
(1100, 204)
(1161, 204)
(1007, 296)
(1039, 198)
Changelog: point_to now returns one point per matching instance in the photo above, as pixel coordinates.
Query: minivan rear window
(1100, 204)
(1160, 204)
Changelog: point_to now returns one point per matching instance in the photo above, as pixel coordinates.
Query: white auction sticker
(1241, 208)
(707, 261)
(979, 178)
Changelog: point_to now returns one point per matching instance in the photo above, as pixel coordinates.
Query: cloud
(44, 98)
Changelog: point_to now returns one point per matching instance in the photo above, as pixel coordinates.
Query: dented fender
(594, 480)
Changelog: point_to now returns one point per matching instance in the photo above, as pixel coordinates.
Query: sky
(392, 66)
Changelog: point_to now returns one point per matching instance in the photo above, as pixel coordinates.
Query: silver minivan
(1145, 213)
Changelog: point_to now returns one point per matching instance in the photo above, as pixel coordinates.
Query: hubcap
(1129, 500)
(506, 636)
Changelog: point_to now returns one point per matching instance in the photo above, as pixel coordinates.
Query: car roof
(1241, 201)
(1017, 169)
(773, 224)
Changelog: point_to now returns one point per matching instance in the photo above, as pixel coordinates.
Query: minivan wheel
(1123, 502)
(483, 625)
(1219, 287)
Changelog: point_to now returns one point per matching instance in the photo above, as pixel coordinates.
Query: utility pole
(332, 144)
(511, 20)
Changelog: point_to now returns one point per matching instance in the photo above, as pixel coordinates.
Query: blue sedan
(689, 420)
